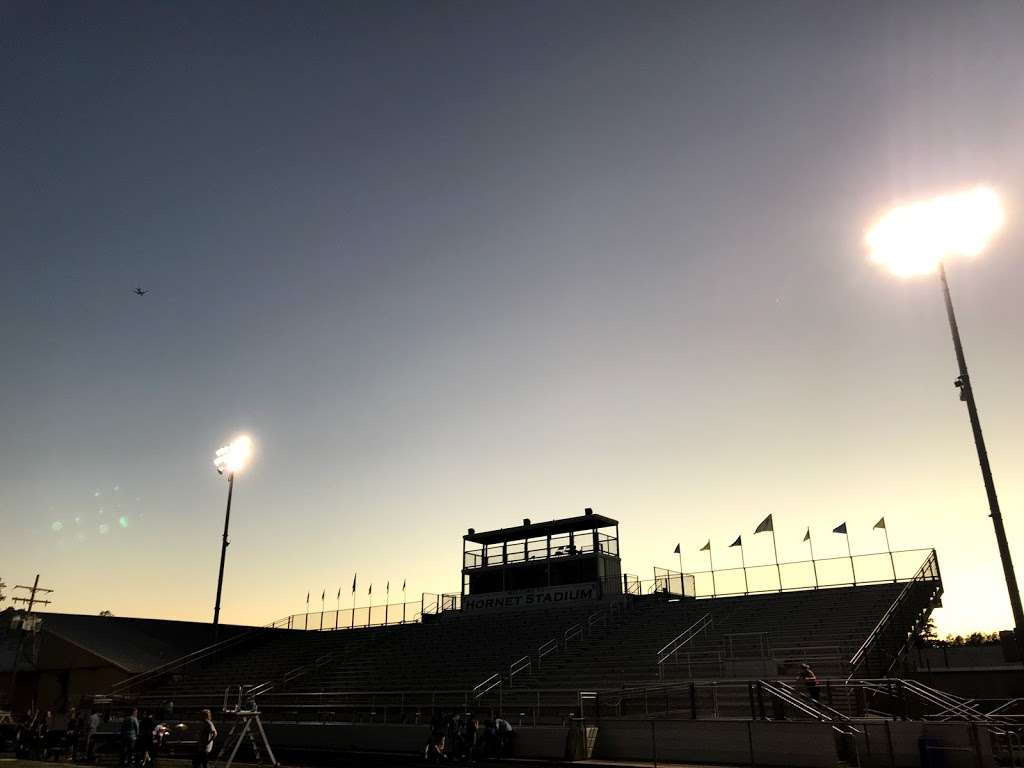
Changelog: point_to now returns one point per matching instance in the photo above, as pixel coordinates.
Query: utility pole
(25, 626)
(32, 600)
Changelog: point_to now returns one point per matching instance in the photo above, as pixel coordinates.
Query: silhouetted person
(90, 737)
(809, 681)
(129, 735)
(204, 741)
(145, 746)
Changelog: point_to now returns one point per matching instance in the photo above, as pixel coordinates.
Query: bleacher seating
(751, 637)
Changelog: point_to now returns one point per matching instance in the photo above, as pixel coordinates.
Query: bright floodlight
(913, 239)
(233, 457)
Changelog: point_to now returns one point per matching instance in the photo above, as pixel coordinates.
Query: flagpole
(892, 562)
(849, 552)
(352, 620)
(711, 561)
(680, 553)
(814, 565)
(305, 625)
(743, 562)
(337, 610)
(322, 608)
(403, 602)
(776, 551)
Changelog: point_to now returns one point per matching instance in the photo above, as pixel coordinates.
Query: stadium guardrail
(181, 663)
(673, 646)
(886, 628)
(865, 569)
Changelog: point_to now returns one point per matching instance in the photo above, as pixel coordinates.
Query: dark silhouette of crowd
(462, 738)
(76, 736)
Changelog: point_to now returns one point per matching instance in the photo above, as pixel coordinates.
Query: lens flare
(913, 239)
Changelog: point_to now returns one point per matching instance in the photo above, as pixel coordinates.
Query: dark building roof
(133, 645)
(587, 522)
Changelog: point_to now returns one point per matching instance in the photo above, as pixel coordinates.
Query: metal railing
(832, 572)
(598, 617)
(189, 659)
(525, 664)
(557, 547)
(489, 684)
(672, 647)
(546, 649)
(384, 615)
(928, 571)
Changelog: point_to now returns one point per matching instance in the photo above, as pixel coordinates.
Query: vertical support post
(814, 565)
(967, 395)
(849, 553)
(223, 555)
(888, 547)
(743, 562)
(775, 550)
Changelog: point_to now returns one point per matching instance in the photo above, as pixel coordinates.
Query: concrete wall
(798, 745)
(898, 744)
(376, 737)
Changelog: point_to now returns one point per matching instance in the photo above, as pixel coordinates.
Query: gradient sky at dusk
(454, 264)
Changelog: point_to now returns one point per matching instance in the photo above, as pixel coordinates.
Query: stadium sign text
(531, 598)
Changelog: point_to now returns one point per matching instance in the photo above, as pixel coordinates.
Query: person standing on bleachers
(809, 681)
(204, 741)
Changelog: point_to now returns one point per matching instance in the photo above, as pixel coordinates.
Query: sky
(455, 264)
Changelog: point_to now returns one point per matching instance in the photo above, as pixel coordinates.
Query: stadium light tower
(916, 239)
(229, 460)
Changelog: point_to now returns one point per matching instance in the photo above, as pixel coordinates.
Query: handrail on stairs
(520, 665)
(489, 684)
(673, 646)
(929, 569)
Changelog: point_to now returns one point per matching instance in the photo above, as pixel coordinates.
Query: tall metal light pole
(228, 460)
(963, 382)
(916, 239)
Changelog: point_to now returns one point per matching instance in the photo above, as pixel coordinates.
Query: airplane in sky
(140, 292)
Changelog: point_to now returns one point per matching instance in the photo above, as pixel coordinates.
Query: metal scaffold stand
(240, 703)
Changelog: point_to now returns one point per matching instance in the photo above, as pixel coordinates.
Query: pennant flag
(323, 595)
(807, 536)
(738, 542)
(307, 598)
(706, 547)
(387, 587)
(766, 525)
(371, 589)
(880, 524)
(339, 593)
(354, 582)
(677, 550)
(841, 528)
(403, 585)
